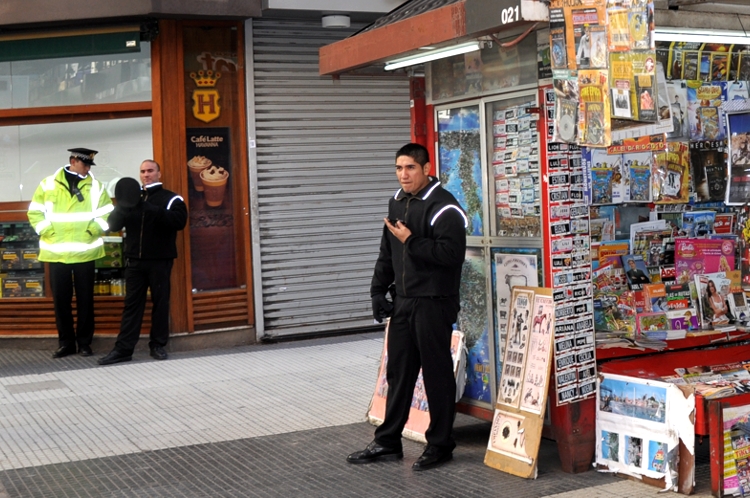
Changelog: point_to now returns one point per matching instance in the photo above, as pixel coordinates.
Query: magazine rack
(708, 413)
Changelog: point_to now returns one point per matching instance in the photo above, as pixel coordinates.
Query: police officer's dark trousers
(63, 279)
(419, 335)
(140, 274)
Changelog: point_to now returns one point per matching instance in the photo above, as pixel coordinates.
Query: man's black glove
(381, 308)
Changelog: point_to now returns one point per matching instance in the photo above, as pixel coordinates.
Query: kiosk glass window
(513, 162)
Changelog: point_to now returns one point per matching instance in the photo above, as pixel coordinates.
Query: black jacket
(151, 227)
(429, 263)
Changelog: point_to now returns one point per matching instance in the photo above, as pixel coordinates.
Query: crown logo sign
(205, 79)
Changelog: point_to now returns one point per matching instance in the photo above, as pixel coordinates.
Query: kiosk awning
(427, 23)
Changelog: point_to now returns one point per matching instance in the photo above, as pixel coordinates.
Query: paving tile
(257, 421)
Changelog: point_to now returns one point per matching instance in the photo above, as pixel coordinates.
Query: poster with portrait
(419, 413)
(517, 423)
(738, 131)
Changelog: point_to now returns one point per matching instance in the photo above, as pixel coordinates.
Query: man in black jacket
(150, 249)
(422, 251)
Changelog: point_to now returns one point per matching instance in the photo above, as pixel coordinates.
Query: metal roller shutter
(324, 171)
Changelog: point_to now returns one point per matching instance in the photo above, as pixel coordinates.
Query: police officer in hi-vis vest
(69, 212)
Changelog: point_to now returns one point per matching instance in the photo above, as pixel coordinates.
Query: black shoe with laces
(432, 457)
(373, 452)
(115, 356)
(158, 353)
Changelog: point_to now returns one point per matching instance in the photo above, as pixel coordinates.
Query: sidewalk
(261, 420)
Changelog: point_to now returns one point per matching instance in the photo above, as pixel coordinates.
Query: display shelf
(603, 354)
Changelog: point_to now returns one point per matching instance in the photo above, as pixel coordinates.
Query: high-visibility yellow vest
(70, 231)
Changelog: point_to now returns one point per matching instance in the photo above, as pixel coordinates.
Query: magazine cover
(713, 290)
(566, 109)
(683, 319)
(594, 125)
(599, 55)
(640, 36)
(677, 90)
(652, 322)
(615, 312)
(705, 115)
(646, 90)
(621, 72)
(639, 165)
(578, 22)
(698, 224)
(709, 170)
(698, 256)
(671, 173)
(635, 271)
(619, 32)
(738, 188)
(558, 49)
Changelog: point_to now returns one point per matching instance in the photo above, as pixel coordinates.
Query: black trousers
(419, 336)
(63, 278)
(140, 274)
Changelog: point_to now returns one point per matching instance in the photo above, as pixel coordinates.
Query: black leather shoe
(158, 353)
(85, 351)
(375, 452)
(115, 356)
(432, 457)
(64, 351)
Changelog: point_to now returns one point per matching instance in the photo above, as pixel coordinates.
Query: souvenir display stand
(529, 227)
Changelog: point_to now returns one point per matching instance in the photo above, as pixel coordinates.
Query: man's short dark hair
(416, 151)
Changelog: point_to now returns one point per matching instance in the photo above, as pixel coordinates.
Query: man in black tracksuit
(422, 252)
(150, 249)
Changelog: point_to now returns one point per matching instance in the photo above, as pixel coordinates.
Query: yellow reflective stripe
(36, 206)
(64, 247)
(42, 225)
(96, 192)
(104, 210)
(49, 183)
(102, 223)
(70, 217)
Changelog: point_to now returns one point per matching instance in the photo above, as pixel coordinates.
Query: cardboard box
(23, 286)
(20, 259)
(112, 256)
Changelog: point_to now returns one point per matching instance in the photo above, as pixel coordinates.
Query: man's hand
(381, 308)
(399, 230)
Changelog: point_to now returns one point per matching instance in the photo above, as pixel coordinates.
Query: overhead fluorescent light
(702, 36)
(440, 53)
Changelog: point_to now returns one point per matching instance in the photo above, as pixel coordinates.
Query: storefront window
(30, 153)
(91, 79)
